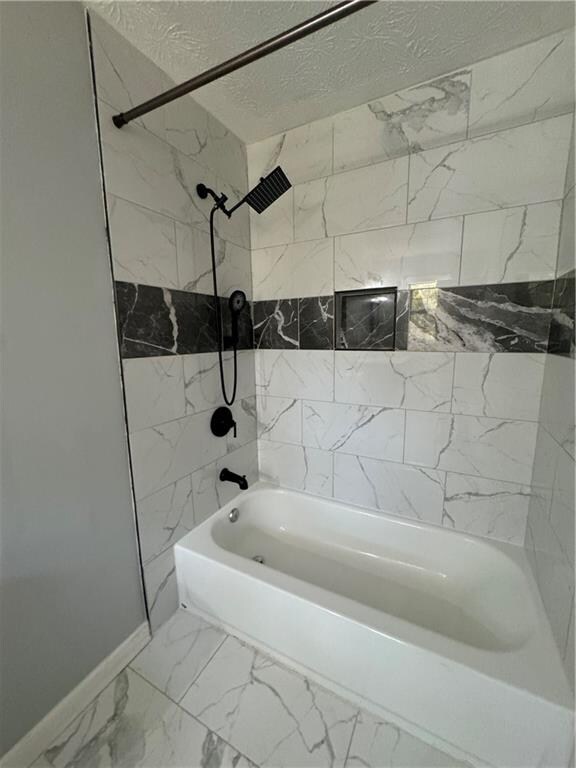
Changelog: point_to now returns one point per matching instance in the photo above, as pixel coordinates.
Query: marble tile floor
(196, 697)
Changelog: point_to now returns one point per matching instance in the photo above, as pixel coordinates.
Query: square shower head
(268, 190)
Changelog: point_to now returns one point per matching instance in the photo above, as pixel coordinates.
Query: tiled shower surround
(165, 312)
(452, 193)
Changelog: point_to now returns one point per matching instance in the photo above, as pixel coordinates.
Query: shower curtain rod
(252, 54)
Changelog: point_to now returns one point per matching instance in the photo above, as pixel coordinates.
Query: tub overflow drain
(258, 559)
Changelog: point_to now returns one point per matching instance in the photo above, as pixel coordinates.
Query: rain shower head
(268, 190)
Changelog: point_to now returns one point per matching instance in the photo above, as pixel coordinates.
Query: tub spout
(231, 477)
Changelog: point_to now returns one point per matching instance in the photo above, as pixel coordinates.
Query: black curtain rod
(252, 54)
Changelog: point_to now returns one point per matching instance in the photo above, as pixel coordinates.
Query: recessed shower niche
(366, 319)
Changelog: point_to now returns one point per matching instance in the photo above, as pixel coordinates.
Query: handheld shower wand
(267, 191)
(236, 304)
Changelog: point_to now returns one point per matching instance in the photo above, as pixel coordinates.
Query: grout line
(461, 259)
(410, 224)
(410, 465)
(408, 190)
(452, 386)
(469, 103)
(473, 139)
(345, 763)
(189, 714)
(226, 636)
(404, 438)
(189, 474)
(332, 132)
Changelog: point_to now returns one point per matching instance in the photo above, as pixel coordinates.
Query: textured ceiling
(381, 49)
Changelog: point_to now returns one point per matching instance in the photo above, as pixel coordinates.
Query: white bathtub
(441, 632)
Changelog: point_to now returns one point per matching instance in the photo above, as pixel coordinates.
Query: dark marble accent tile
(512, 317)
(316, 318)
(276, 324)
(196, 318)
(146, 326)
(561, 340)
(366, 319)
(402, 318)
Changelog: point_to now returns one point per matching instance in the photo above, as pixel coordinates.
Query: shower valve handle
(222, 422)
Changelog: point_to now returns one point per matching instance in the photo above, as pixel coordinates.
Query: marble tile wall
(452, 192)
(165, 310)
(550, 527)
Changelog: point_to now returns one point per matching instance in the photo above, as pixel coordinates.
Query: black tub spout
(231, 477)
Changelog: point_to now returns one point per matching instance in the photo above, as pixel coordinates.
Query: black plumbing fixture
(268, 189)
(222, 422)
(226, 476)
(266, 192)
(236, 304)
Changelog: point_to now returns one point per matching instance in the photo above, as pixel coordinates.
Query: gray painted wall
(70, 584)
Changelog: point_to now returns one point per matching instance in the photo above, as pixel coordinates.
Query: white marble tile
(569, 653)
(566, 246)
(143, 169)
(269, 713)
(244, 414)
(427, 115)
(562, 505)
(164, 517)
(210, 493)
(132, 724)
(227, 155)
(125, 77)
(553, 572)
(501, 385)
(187, 174)
(161, 588)
(509, 246)
(276, 225)
(491, 448)
(511, 168)
(154, 388)
(416, 380)
(177, 653)
(354, 201)
(399, 256)
(299, 373)
(377, 743)
(279, 418)
(358, 429)
(186, 129)
(167, 452)
(526, 84)
(233, 268)
(298, 269)
(202, 378)
(304, 153)
(295, 466)
(143, 245)
(397, 489)
(544, 470)
(488, 508)
(557, 408)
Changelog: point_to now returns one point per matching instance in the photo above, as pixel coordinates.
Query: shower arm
(219, 200)
(304, 29)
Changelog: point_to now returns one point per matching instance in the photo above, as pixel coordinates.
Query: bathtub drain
(258, 559)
